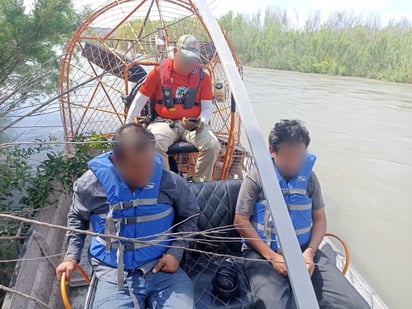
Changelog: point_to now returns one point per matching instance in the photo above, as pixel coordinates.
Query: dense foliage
(344, 44)
(29, 43)
(31, 178)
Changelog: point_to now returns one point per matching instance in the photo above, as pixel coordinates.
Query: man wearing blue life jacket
(288, 143)
(127, 193)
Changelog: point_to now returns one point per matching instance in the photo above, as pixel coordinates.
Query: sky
(386, 9)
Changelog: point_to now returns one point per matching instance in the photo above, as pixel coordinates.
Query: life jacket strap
(266, 230)
(293, 191)
(130, 246)
(133, 203)
(112, 227)
(268, 226)
(303, 231)
(135, 220)
(176, 101)
(258, 226)
(140, 219)
(300, 207)
(120, 248)
(109, 229)
(166, 81)
(262, 227)
(120, 268)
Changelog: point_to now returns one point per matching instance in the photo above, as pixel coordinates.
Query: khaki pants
(169, 132)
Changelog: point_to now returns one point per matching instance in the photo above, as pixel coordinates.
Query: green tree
(29, 43)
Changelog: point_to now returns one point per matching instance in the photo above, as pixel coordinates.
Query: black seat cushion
(217, 202)
(181, 147)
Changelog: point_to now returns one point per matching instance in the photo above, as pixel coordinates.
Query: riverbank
(345, 44)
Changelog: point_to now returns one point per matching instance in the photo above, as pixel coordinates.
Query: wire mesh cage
(111, 53)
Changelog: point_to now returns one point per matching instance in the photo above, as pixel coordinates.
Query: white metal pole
(298, 275)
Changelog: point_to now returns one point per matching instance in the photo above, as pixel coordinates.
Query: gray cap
(189, 46)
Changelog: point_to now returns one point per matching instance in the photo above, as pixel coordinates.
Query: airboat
(105, 62)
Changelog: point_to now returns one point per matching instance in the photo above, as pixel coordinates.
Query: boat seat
(181, 147)
(217, 202)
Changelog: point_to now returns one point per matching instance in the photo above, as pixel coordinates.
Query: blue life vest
(131, 214)
(298, 203)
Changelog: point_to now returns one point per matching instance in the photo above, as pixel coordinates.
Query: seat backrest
(217, 202)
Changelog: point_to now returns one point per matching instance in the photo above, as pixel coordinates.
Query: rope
(38, 301)
(2, 238)
(12, 144)
(77, 231)
(142, 240)
(32, 259)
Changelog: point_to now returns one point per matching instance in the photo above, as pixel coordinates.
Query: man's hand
(192, 125)
(167, 263)
(278, 263)
(67, 267)
(308, 257)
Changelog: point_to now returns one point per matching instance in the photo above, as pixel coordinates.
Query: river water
(361, 131)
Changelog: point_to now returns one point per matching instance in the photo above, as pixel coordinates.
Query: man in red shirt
(183, 94)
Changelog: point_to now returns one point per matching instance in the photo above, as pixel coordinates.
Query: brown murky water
(361, 131)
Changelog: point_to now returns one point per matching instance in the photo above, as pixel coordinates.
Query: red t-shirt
(152, 86)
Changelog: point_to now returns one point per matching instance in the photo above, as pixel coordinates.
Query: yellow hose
(63, 283)
(345, 248)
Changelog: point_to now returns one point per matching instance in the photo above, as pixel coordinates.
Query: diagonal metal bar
(299, 278)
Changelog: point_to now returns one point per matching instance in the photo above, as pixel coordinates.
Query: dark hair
(129, 135)
(288, 131)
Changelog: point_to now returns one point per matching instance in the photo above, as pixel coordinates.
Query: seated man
(182, 92)
(288, 142)
(127, 193)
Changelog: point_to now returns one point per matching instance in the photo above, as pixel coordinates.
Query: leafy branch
(32, 177)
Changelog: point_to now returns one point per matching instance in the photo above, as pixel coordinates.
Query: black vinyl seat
(217, 202)
(181, 147)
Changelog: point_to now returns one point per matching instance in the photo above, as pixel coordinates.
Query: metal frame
(70, 108)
